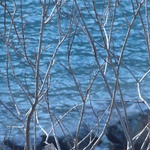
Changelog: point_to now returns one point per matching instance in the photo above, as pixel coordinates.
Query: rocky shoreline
(138, 129)
(114, 139)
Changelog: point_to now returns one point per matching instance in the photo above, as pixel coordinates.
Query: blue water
(63, 93)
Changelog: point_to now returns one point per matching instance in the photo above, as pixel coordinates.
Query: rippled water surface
(63, 93)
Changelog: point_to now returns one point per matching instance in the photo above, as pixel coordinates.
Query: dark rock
(12, 145)
(116, 136)
(62, 142)
(136, 121)
(66, 143)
